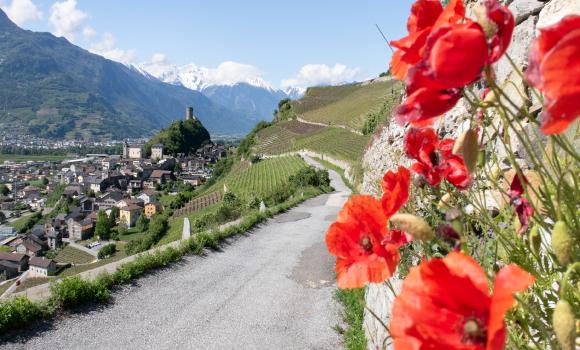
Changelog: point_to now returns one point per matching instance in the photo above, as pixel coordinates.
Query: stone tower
(189, 113)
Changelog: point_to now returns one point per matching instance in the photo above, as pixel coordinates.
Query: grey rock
(522, 9)
(555, 10)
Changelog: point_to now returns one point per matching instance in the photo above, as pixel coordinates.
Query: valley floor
(270, 289)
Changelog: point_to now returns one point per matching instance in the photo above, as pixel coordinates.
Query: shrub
(310, 176)
(107, 251)
(73, 291)
(17, 313)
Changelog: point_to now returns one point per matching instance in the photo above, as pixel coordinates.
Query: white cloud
(22, 11)
(230, 72)
(322, 74)
(89, 32)
(159, 58)
(106, 48)
(66, 19)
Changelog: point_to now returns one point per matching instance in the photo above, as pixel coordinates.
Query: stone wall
(386, 149)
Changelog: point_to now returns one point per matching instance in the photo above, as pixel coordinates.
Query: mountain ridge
(54, 89)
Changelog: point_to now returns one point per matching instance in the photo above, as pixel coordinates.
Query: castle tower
(189, 113)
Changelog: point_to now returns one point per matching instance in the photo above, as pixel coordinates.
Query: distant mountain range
(253, 97)
(54, 89)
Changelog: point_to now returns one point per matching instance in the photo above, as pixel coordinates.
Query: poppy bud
(481, 158)
(453, 214)
(413, 225)
(488, 26)
(562, 243)
(467, 145)
(535, 239)
(564, 325)
(444, 202)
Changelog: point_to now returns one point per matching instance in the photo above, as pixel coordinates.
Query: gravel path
(269, 289)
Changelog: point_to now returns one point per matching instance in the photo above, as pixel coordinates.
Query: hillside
(336, 121)
(347, 105)
(52, 88)
(182, 136)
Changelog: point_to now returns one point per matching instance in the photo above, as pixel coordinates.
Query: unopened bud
(413, 225)
(444, 201)
(453, 214)
(564, 325)
(467, 145)
(488, 26)
(535, 239)
(562, 243)
(481, 158)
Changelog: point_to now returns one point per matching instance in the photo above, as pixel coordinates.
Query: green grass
(353, 301)
(32, 282)
(5, 286)
(132, 234)
(25, 158)
(19, 223)
(175, 231)
(73, 256)
(75, 270)
(347, 105)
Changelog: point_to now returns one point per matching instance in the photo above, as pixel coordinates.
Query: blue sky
(276, 38)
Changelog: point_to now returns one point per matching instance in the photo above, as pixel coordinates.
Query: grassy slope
(336, 106)
(346, 105)
(25, 158)
(74, 256)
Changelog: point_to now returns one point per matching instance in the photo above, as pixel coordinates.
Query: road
(271, 288)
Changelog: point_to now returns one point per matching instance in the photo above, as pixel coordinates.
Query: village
(49, 210)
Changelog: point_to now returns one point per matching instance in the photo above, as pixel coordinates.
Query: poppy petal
(395, 190)
(509, 280)
(424, 105)
(424, 14)
(505, 23)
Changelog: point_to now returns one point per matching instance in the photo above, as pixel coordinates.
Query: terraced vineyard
(294, 136)
(261, 178)
(347, 105)
(199, 203)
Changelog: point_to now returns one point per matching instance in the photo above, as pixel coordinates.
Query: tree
(103, 228)
(142, 223)
(113, 216)
(64, 209)
(4, 190)
(122, 227)
(45, 181)
(2, 217)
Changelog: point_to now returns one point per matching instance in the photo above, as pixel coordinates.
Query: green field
(175, 231)
(71, 255)
(262, 178)
(25, 158)
(336, 142)
(347, 105)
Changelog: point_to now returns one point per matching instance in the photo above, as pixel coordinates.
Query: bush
(73, 291)
(310, 176)
(18, 313)
(107, 251)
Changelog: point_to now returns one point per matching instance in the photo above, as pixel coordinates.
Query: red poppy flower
(504, 23)
(426, 16)
(395, 190)
(435, 160)
(446, 304)
(523, 208)
(444, 52)
(554, 69)
(359, 239)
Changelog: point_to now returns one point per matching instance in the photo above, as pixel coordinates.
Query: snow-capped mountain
(233, 85)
